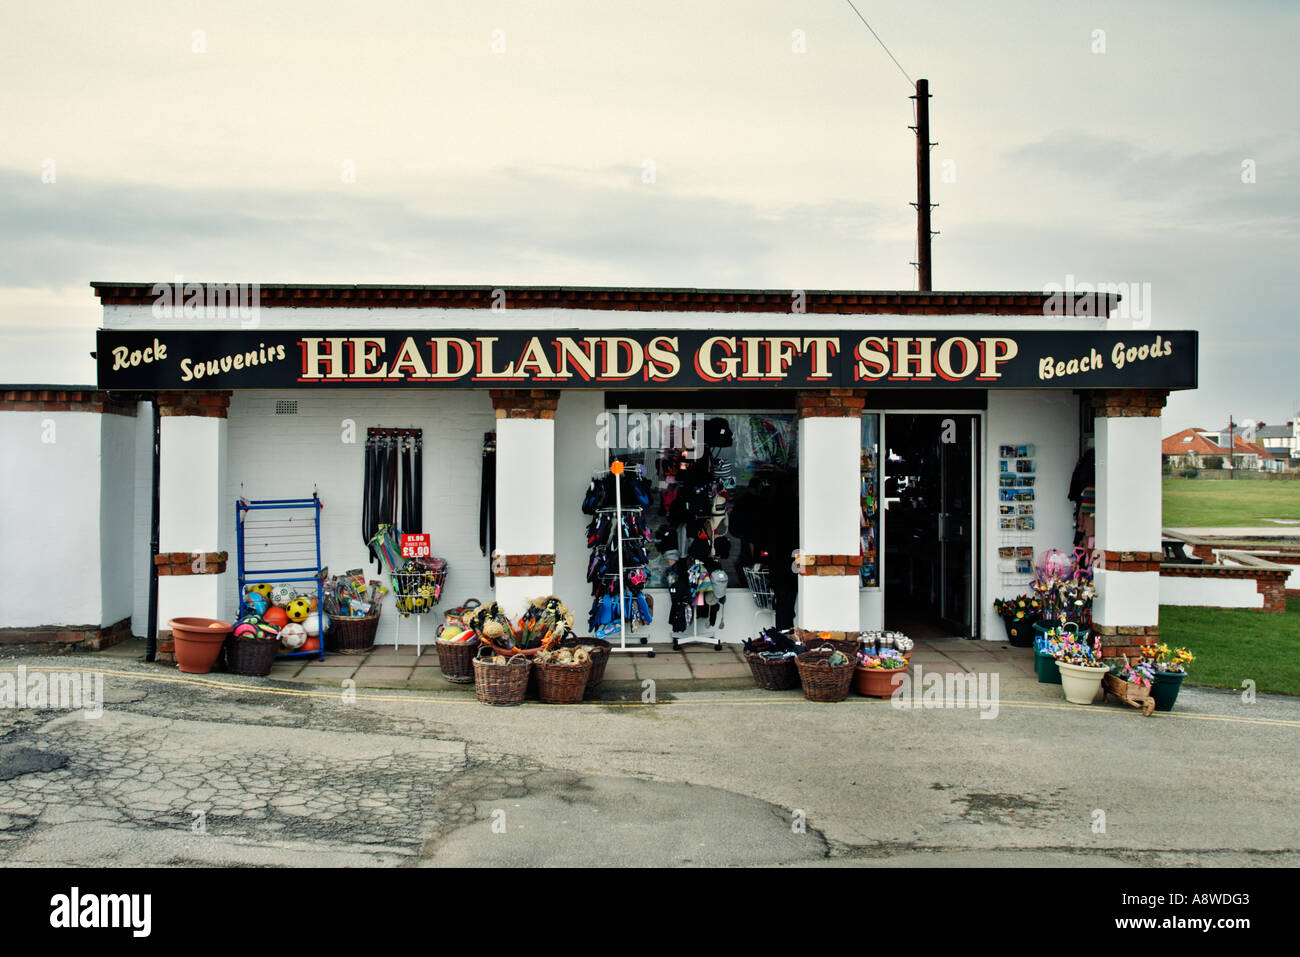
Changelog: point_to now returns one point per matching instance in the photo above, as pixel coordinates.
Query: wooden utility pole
(924, 278)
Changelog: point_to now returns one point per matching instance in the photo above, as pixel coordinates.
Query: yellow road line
(333, 694)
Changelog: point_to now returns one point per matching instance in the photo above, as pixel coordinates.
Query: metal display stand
(282, 548)
(760, 590)
(410, 599)
(616, 469)
(695, 638)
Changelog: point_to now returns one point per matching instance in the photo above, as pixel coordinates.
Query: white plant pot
(1079, 682)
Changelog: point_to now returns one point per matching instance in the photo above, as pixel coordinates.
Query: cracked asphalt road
(226, 770)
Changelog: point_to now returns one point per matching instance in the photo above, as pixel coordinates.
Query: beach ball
(293, 636)
(281, 595)
(298, 609)
(276, 616)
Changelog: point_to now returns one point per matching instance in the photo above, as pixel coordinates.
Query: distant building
(1280, 439)
(1200, 449)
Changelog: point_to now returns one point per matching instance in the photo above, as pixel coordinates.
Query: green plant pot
(1048, 672)
(1164, 688)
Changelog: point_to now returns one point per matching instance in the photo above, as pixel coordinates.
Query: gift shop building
(889, 459)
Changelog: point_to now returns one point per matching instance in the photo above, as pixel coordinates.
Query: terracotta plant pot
(876, 682)
(1080, 682)
(198, 642)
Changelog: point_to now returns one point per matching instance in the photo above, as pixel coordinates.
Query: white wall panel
(117, 516)
(1210, 592)
(49, 519)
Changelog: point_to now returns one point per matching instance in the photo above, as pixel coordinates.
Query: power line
(881, 42)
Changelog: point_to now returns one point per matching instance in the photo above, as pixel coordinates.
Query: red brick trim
(829, 564)
(815, 301)
(70, 638)
(60, 400)
(1128, 640)
(183, 563)
(1127, 403)
(830, 403)
(1131, 561)
(525, 403)
(525, 566)
(211, 405)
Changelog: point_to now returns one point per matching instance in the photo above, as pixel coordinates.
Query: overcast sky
(507, 143)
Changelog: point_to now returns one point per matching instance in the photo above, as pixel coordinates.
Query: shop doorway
(929, 496)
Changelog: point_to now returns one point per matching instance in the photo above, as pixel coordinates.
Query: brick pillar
(525, 489)
(1126, 612)
(830, 445)
(192, 506)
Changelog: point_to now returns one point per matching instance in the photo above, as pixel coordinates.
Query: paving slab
(653, 668)
(379, 672)
(721, 670)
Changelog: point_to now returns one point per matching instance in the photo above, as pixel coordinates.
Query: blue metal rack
(281, 548)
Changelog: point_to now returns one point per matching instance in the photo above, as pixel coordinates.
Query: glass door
(928, 488)
(956, 523)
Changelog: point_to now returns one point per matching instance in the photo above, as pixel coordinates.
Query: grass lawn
(1192, 502)
(1231, 644)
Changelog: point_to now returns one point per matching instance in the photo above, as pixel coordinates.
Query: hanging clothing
(487, 504)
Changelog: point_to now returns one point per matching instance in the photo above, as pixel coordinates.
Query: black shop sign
(694, 359)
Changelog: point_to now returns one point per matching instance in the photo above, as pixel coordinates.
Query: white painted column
(829, 507)
(525, 490)
(1128, 523)
(191, 509)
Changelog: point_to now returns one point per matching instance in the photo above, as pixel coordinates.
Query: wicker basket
(780, 675)
(822, 682)
(456, 659)
(251, 656)
(849, 646)
(600, 650)
(501, 684)
(561, 684)
(351, 636)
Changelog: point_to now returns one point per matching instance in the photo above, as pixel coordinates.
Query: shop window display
(672, 448)
(870, 518)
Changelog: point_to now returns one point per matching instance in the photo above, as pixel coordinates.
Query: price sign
(416, 546)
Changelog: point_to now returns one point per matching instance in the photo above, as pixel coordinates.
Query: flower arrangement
(1020, 607)
(1066, 598)
(887, 660)
(1139, 674)
(1075, 650)
(1161, 659)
